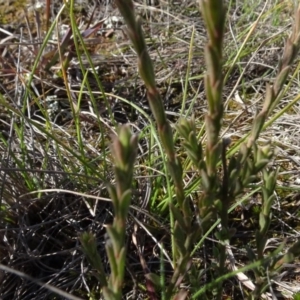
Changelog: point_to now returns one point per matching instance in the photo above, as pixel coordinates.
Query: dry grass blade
(40, 283)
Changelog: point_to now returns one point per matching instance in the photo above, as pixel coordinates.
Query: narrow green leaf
(155, 279)
(178, 217)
